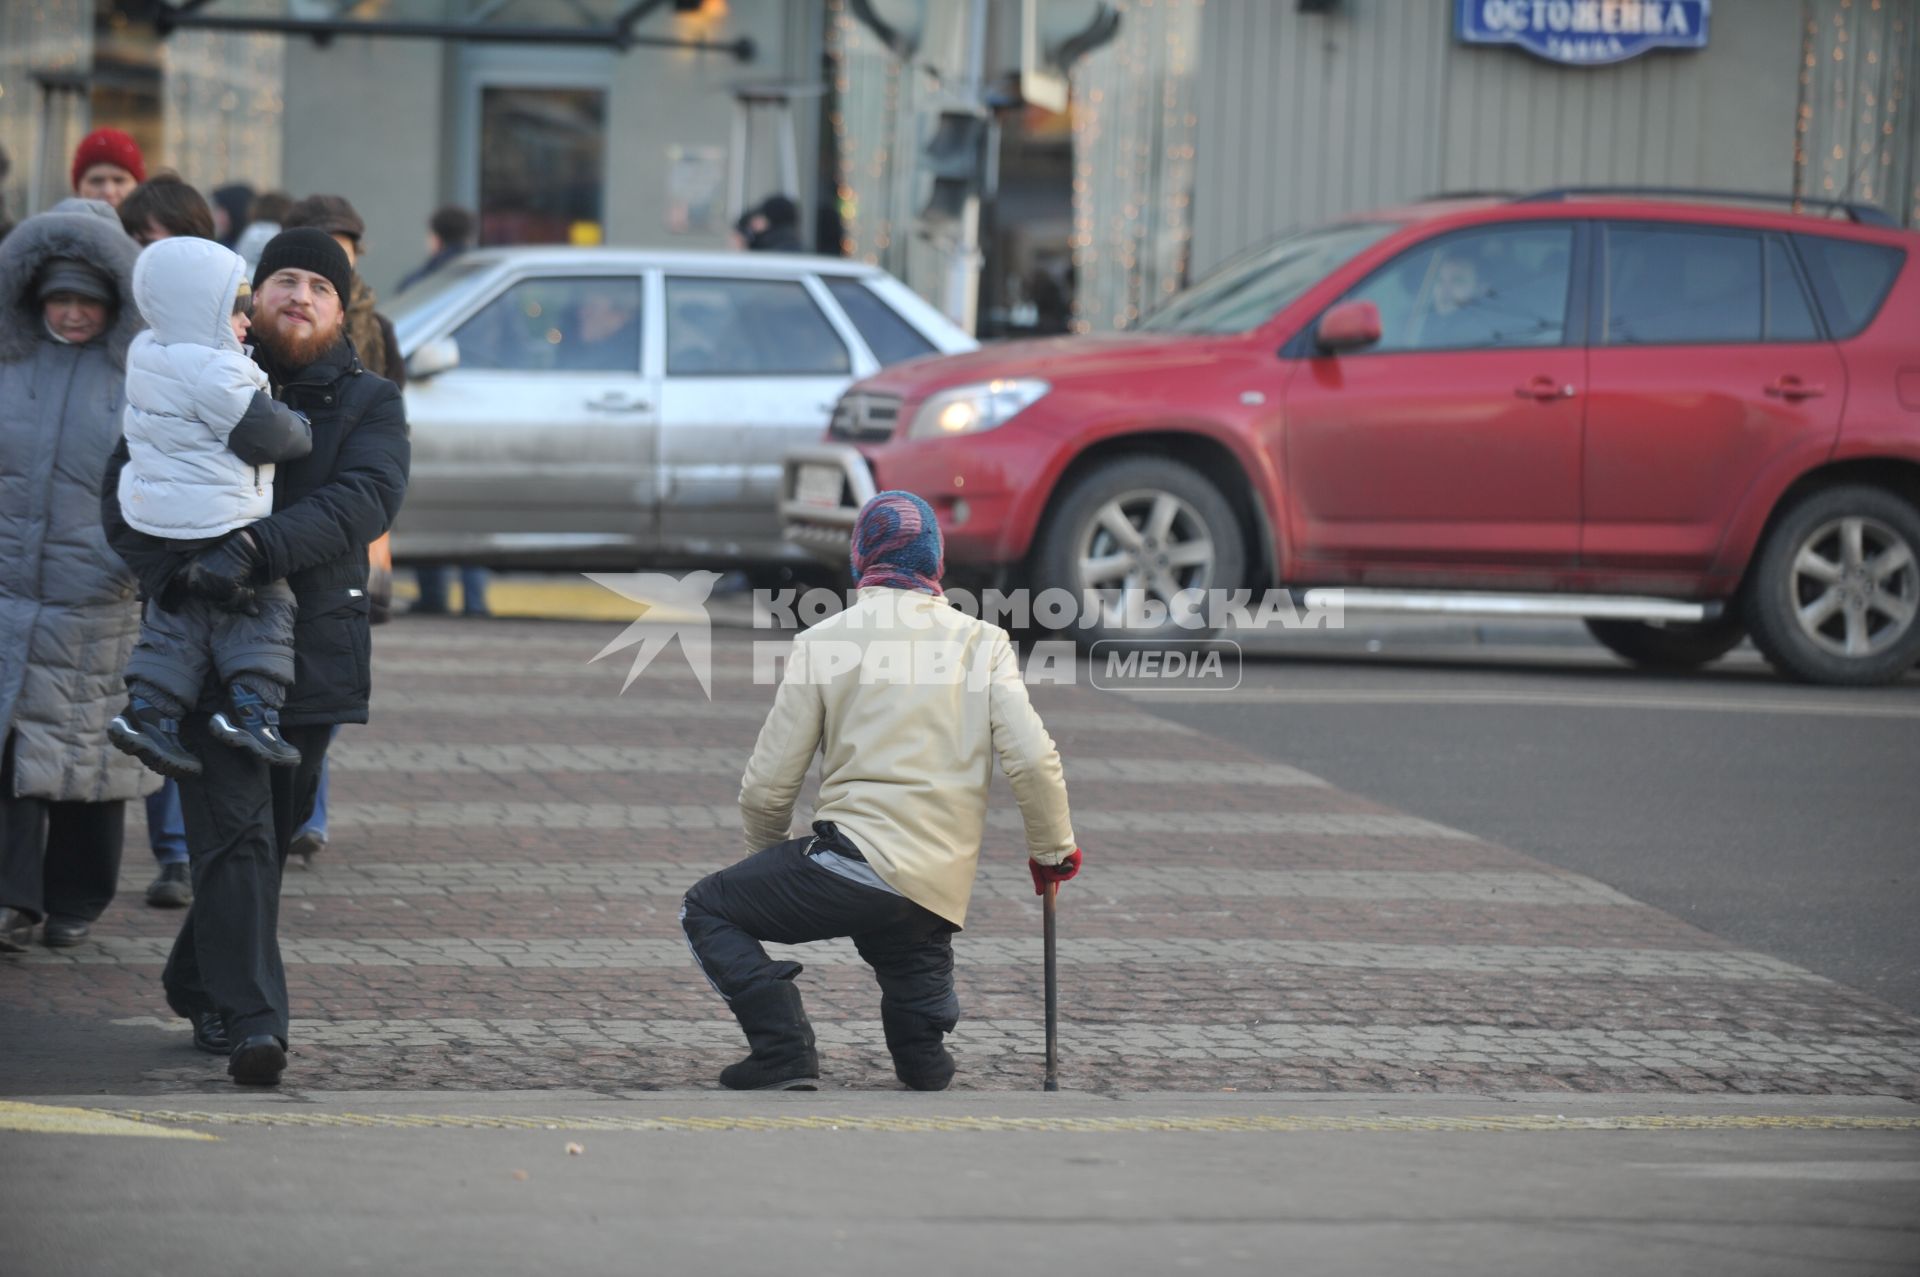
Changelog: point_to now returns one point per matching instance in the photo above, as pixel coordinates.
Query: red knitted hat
(108, 146)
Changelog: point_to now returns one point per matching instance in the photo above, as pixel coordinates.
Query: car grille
(864, 418)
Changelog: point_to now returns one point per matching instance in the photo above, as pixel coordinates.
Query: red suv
(1682, 420)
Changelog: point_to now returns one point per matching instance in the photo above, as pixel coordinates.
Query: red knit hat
(108, 146)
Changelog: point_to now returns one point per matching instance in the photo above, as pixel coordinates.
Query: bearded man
(225, 973)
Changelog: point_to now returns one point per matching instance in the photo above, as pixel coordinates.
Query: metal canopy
(478, 28)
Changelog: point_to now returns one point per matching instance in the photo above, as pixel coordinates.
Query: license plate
(817, 485)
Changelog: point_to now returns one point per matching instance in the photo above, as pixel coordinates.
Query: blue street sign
(1584, 32)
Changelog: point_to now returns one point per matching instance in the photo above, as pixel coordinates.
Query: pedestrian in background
(371, 332)
(6, 167)
(164, 207)
(225, 973)
(781, 230)
(264, 217)
(449, 234)
(107, 165)
(906, 762)
(231, 203)
(67, 610)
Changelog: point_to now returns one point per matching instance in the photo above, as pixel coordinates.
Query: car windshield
(419, 304)
(1254, 287)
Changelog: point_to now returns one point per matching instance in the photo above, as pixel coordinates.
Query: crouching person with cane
(909, 701)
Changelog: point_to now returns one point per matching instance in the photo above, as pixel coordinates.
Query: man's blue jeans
(317, 822)
(166, 830)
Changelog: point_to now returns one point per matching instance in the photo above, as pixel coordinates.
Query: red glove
(1044, 874)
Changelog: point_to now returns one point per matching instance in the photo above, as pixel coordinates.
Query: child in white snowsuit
(202, 436)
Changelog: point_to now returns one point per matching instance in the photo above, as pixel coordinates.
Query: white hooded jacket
(189, 383)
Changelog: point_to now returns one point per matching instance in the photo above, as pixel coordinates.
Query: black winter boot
(776, 1026)
(152, 735)
(920, 1059)
(248, 722)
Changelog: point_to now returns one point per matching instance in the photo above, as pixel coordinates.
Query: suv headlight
(966, 410)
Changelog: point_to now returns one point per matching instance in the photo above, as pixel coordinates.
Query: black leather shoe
(64, 933)
(16, 931)
(173, 889)
(258, 1061)
(210, 1033)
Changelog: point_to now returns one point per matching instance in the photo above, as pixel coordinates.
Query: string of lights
(1134, 134)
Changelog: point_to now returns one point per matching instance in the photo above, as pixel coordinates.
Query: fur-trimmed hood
(86, 229)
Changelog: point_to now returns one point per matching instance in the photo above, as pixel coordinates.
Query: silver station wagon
(589, 408)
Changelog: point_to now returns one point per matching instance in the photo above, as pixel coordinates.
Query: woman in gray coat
(67, 611)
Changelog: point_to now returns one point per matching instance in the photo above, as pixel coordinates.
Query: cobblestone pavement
(511, 838)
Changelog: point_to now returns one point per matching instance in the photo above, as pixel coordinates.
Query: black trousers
(59, 860)
(780, 895)
(240, 816)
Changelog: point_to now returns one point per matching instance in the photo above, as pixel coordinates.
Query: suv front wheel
(1136, 530)
(1834, 596)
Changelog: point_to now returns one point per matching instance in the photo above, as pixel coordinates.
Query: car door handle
(616, 404)
(1792, 389)
(1545, 389)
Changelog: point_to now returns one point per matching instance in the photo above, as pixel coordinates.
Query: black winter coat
(327, 506)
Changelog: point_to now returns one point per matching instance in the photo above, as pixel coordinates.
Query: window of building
(542, 165)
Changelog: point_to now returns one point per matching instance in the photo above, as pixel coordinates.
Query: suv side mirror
(1348, 326)
(439, 355)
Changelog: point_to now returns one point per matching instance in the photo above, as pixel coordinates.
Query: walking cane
(1053, 992)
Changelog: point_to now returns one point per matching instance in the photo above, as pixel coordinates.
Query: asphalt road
(882, 1184)
(1781, 817)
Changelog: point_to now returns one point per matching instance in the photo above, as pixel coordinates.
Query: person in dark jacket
(782, 232)
(67, 613)
(449, 234)
(230, 205)
(225, 973)
(371, 332)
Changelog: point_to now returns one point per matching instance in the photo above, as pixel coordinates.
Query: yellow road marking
(554, 599)
(54, 1119)
(1283, 1124)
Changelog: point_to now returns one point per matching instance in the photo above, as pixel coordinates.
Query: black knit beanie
(307, 248)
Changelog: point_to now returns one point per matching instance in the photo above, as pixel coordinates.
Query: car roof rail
(1470, 194)
(1863, 214)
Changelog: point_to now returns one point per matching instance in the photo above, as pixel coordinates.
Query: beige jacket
(910, 702)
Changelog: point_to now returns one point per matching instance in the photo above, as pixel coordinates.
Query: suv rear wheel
(1139, 528)
(1834, 596)
(1676, 645)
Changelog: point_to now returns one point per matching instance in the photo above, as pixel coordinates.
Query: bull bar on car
(823, 529)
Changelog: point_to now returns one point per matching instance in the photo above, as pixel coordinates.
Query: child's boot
(151, 733)
(248, 722)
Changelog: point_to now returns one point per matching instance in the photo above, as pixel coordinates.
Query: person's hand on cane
(1055, 873)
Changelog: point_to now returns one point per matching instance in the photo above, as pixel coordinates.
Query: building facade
(1305, 116)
